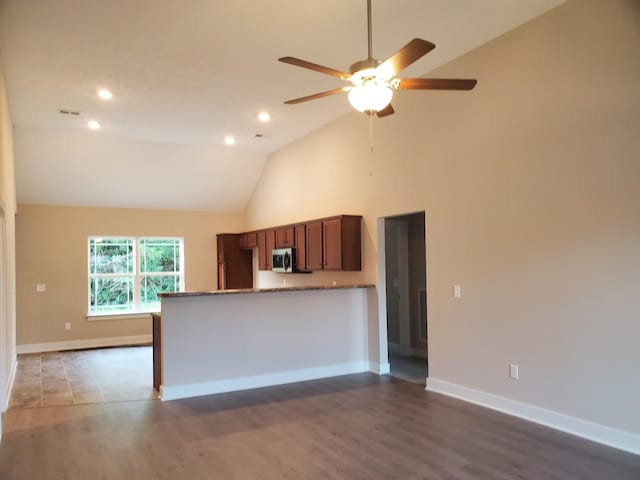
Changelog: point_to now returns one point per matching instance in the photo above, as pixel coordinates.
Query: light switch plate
(513, 371)
(41, 287)
(456, 291)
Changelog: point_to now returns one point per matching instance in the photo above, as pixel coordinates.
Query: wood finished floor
(409, 368)
(352, 427)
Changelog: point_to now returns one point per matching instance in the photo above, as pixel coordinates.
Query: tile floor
(83, 376)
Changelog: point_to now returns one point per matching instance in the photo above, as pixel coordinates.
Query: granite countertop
(264, 290)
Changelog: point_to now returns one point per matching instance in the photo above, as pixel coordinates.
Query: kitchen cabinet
(249, 240)
(334, 244)
(271, 244)
(235, 266)
(266, 243)
(262, 250)
(285, 237)
(314, 245)
(300, 236)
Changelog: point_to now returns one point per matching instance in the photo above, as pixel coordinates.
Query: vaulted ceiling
(186, 73)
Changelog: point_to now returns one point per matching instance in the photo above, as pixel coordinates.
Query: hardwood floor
(352, 427)
(409, 368)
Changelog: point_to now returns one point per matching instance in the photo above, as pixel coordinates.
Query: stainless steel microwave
(283, 260)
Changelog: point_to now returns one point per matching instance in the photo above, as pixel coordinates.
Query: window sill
(96, 317)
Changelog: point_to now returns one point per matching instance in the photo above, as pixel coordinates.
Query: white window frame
(137, 275)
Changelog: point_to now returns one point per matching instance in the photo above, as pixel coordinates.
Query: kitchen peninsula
(220, 341)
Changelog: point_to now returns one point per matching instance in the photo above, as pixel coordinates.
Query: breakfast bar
(226, 340)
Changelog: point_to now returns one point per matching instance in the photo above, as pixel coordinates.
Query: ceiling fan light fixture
(370, 96)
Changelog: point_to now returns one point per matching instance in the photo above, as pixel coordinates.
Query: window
(126, 273)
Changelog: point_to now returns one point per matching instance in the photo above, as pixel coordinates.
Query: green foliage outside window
(114, 276)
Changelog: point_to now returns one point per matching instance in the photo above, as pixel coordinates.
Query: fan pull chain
(371, 131)
(371, 143)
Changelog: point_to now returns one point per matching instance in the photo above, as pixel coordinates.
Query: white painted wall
(217, 343)
(530, 188)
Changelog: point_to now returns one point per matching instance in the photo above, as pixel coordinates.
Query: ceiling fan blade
(317, 95)
(315, 67)
(437, 84)
(388, 110)
(404, 57)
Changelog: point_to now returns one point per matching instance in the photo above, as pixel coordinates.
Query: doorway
(406, 299)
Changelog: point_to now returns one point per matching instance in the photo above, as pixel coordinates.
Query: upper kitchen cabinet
(266, 243)
(314, 245)
(249, 240)
(285, 237)
(300, 235)
(235, 269)
(334, 243)
(341, 243)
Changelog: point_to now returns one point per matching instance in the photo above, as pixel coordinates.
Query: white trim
(98, 317)
(612, 437)
(87, 343)
(12, 377)
(380, 368)
(259, 381)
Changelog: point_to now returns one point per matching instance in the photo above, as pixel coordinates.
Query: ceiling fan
(373, 82)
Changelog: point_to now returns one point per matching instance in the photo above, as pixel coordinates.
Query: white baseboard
(582, 428)
(87, 343)
(259, 381)
(12, 377)
(380, 368)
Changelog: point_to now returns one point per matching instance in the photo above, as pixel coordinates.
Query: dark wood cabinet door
(271, 244)
(314, 246)
(243, 241)
(235, 266)
(252, 240)
(220, 242)
(332, 244)
(262, 250)
(301, 247)
(285, 237)
(221, 277)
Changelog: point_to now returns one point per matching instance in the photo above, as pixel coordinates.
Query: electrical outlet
(41, 287)
(456, 291)
(513, 371)
(67, 326)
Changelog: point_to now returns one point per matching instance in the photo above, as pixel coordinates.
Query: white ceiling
(185, 73)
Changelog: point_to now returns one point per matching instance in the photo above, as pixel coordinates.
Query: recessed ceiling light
(105, 94)
(264, 116)
(229, 140)
(93, 125)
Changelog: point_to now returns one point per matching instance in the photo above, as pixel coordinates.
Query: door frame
(381, 284)
(4, 381)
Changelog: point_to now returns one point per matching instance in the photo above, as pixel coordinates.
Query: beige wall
(52, 249)
(530, 188)
(7, 248)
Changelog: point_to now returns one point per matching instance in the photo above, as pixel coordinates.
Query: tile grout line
(66, 377)
(41, 383)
